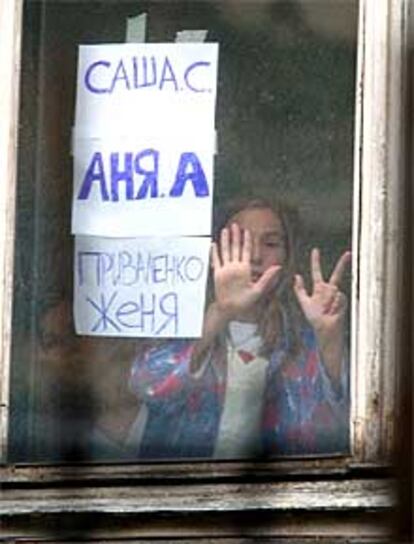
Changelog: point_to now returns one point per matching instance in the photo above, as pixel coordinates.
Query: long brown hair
(281, 314)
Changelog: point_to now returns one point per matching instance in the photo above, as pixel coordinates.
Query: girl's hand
(325, 306)
(325, 309)
(236, 293)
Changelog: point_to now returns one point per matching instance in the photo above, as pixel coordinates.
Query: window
(285, 130)
(377, 195)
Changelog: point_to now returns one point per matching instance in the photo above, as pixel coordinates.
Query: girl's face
(268, 238)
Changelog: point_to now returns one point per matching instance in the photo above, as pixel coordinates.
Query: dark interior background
(285, 119)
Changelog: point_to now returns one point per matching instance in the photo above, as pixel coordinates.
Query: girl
(268, 376)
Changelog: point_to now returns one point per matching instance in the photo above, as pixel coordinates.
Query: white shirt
(240, 424)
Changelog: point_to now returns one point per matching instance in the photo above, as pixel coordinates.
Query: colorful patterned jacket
(303, 413)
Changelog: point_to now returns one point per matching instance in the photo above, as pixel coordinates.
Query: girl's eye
(274, 244)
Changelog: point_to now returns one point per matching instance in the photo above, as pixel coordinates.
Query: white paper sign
(140, 287)
(131, 88)
(143, 186)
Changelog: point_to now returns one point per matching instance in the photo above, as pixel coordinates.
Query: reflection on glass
(269, 377)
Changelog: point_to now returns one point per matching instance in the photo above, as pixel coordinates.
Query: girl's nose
(256, 253)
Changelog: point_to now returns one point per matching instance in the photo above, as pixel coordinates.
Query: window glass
(269, 377)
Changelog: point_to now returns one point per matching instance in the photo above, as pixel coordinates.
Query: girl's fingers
(334, 307)
(215, 258)
(300, 290)
(235, 241)
(338, 304)
(340, 268)
(327, 294)
(246, 247)
(316, 270)
(267, 278)
(224, 246)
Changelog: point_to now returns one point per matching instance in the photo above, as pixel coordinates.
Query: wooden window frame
(379, 175)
